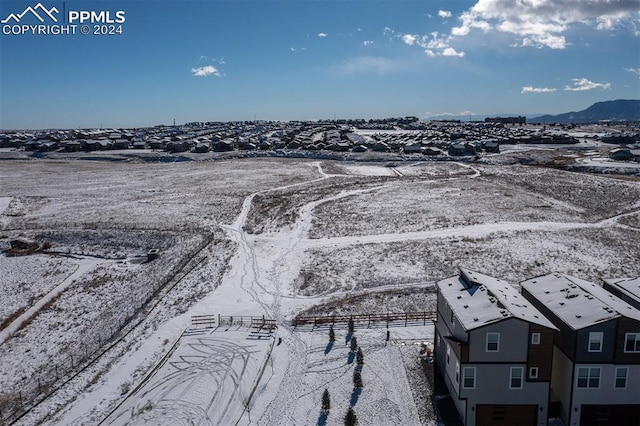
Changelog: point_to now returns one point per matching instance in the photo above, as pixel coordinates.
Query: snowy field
(98, 330)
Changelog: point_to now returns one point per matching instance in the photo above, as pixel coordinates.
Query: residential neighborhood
(402, 135)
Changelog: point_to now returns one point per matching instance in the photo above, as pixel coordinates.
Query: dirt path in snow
(84, 264)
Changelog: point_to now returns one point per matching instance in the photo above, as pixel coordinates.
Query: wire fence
(17, 402)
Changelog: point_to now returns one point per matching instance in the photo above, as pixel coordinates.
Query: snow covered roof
(577, 302)
(630, 287)
(479, 299)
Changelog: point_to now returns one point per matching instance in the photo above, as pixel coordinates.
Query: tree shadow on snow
(322, 419)
(328, 348)
(354, 396)
(347, 338)
(352, 357)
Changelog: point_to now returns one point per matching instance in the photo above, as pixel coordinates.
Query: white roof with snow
(577, 302)
(479, 299)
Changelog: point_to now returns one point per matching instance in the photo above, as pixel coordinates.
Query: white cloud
(367, 43)
(580, 84)
(450, 51)
(635, 71)
(531, 89)
(542, 23)
(449, 114)
(375, 64)
(444, 14)
(206, 71)
(322, 35)
(434, 44)
(297, 50)
(409, 39)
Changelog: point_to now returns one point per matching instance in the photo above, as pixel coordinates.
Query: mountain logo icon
(43, 11)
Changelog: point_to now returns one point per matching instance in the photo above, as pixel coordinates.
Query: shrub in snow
(351, 325)
(350, 419)
(354, 344)
(357, 380)
(359, 357)
(326, 400)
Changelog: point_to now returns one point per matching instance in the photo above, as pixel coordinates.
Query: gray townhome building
(494, 350)
(596, 354)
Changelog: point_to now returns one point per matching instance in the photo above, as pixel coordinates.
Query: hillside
(618, 110)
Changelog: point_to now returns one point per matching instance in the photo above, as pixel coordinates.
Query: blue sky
(294, 59)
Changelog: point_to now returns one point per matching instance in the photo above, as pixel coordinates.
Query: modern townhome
(494, 350)
(627, 289)
(596, 356)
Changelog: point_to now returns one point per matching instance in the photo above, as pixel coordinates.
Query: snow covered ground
(273, 237)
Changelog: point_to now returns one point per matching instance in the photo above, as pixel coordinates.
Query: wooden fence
(213, 321)
(408, 318)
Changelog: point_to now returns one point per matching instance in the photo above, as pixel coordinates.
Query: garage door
(521, 415)
(618, 415)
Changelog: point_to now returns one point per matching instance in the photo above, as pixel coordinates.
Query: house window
(493, 342)
(535, 338)
(448, 353)
(588, 377)
(469, 377)
(595, 341)
(621, 377)
(632, 342)
(515, 382)
(533, 372)
(453, 320)
(457, 372)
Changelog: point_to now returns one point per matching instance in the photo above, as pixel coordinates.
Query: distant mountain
(619, 110)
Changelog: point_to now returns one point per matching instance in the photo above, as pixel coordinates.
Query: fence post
(406, 316)
(55, 367)
(39, 388)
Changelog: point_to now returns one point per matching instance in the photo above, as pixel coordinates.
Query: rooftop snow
(479, 299)
(577, 302)
(628, 286)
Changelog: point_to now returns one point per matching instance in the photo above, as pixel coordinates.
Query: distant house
(491, 146)
(73, 146)
(415, 148)
(156, 144)
(138, 145)
(223, 145)
(121, 144)
(620, 154)
(494, 350)
(457, 149)
(201, 148)
(596, 355)
(429, 150)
